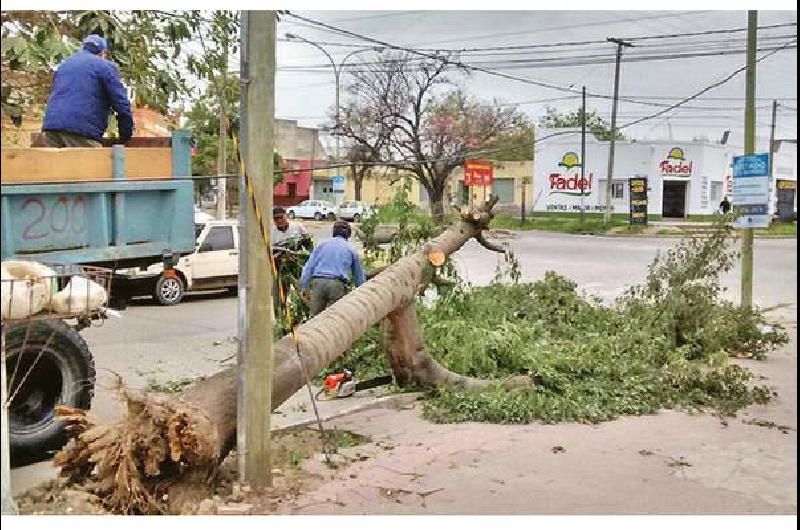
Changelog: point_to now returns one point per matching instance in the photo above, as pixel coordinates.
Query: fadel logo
(570, 160)
(675, 165)
(570, 185)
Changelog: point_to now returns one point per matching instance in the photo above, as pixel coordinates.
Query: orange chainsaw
(343, 384)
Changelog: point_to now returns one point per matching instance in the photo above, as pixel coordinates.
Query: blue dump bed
(114, 224)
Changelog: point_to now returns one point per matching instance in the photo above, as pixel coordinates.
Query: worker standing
(285, 230)
(328, 269)
(86, 88)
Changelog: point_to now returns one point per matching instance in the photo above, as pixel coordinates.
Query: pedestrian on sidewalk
(725, 205)
(328, 270)
(86, 88)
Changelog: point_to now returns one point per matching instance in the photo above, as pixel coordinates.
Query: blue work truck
(115, 224)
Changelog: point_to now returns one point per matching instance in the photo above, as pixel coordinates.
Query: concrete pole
(258, 34)
(583, 148)
(772, 143)
(749, 149)
(620, 43)
(222, 151)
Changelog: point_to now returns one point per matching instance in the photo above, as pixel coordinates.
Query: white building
(684, 178)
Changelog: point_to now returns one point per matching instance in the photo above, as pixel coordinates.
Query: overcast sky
(307, 95)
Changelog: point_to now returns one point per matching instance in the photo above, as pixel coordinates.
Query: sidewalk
(669, 463)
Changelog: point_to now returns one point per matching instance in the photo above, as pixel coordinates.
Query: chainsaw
(343, 384)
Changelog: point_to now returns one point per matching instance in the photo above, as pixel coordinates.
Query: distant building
(684, 178)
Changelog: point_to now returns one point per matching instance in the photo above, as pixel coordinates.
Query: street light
(337, 69)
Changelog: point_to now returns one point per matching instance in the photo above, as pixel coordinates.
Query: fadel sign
(561, 184)
(478, 173)
(676, 164)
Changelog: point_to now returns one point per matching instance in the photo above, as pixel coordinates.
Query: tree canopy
(553, 119)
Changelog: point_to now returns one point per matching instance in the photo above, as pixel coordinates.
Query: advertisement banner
(638, 199)
(478, 173)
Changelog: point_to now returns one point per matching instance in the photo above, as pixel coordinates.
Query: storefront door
(674, 199)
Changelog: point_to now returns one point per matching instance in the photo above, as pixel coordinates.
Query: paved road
(195, 338)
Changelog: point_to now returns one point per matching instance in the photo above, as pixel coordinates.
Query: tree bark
(436, 200)
(175, 444)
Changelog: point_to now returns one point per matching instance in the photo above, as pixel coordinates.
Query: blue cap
(95, 44)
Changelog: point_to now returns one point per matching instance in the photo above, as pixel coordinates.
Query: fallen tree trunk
(170, 445)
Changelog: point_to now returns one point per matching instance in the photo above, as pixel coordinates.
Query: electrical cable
(462, 65)
(326, 447)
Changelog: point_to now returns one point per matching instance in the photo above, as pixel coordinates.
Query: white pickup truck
(213, 265)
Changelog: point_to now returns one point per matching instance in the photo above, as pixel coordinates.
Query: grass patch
(173, 386)
(779, 228)
(568, 225)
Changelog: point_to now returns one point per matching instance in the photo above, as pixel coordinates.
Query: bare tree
(431, 127)
(369, 134)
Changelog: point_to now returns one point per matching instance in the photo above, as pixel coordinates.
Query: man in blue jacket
(86, 88)
(328, 269)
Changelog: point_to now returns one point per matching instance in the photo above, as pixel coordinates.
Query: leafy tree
(594, 123)
(516, 144)
(145, 45)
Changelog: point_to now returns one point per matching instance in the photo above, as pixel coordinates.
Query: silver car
(313, 209)
(355, 211)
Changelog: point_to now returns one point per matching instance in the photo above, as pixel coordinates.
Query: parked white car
(213, 265)
(201, 218)
(313, 209)
(355, 211)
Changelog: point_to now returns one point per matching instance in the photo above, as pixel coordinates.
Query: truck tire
(290, 215)
(331, 216)
(63, 375)
(169, 291)
(318, 216)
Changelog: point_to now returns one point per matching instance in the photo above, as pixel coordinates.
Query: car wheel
(331, 216)
(357, 218)
(318, 216)
(169, 290)
(49, 365)
(290, 215)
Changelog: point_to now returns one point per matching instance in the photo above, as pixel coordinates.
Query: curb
(394, 400)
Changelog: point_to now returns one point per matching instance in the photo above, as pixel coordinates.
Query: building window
(504, 190)
(617, 190)
(716, 192)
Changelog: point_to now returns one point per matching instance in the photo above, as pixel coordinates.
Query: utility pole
(255, 346)
(222, 151)
(772, 141)
(749, 149)
(583, 147)
(620, 44)
(772, 184)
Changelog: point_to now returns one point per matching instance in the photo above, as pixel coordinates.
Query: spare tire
(60, 370)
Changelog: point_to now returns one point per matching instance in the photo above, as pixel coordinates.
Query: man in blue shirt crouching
(327, 270)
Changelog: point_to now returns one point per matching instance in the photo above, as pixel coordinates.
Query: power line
(704, 90)
(559, 133)
(570, 60)
(460, 64)
(580, 25)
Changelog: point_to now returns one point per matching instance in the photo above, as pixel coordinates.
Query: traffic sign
(750, 197)
(338, 182)
(751, 165)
